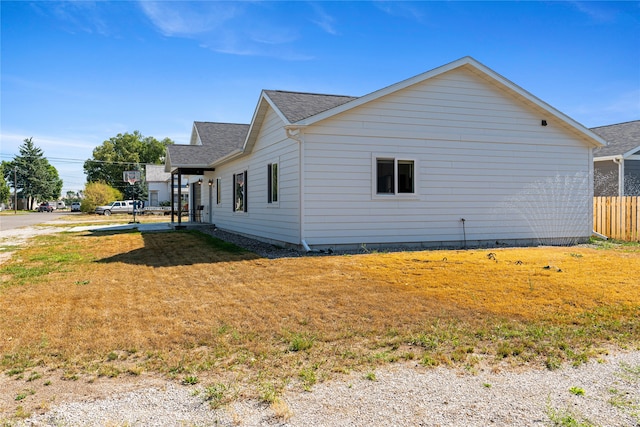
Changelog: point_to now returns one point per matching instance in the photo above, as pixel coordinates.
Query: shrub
(98, 194)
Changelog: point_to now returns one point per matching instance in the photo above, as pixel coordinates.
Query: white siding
(480, 153)
(162, 188)
(278, 222)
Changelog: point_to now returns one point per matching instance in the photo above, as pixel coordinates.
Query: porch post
(172, 195)
(179, 198)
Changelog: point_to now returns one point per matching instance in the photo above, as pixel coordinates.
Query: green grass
(612, 243)
(300, 342)
(217, 394)
(578, 391)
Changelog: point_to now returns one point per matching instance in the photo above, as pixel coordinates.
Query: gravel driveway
(399, 395)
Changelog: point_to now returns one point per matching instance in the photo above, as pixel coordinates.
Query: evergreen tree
(37, 180)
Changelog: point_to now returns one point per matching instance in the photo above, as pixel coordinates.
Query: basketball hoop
(131, 176)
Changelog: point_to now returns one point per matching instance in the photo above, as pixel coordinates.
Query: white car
(75, 207)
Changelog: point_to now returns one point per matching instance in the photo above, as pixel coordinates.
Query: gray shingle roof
(621, 138)
(218, 140)
(156, 173)
(298, 106)
(225, 136)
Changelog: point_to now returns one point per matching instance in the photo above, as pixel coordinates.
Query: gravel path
(400, 395)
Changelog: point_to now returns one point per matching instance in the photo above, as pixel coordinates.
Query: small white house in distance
(455, 156)
(159, 186)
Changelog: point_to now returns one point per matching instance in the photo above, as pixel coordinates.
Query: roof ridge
(309, 93)
(615, 124)
(222, 123)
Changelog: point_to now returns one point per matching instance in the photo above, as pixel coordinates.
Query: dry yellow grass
(179, 303)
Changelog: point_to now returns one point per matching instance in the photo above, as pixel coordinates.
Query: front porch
(193, 209)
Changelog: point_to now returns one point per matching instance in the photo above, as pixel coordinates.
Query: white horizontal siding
(478, 152)
(278, 222)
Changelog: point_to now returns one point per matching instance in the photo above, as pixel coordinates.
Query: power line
(72, 160)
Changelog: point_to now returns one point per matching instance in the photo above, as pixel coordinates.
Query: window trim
(397, 159)
(270, 199)
(244, 208)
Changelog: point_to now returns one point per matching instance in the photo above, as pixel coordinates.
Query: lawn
(188, 306)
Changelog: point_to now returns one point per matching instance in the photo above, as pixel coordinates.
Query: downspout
(294, 133)
(620, 162)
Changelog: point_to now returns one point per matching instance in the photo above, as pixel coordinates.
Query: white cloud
(235, 28)
(323, 20)
(77, 16)
(401, 9)
(190, 18)
(596, 11)
(65, 147)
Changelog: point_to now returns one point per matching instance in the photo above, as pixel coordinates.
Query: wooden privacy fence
(617, 217)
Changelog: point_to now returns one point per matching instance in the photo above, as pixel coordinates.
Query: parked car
(119, 206)
(61, 205)
(46, 207)
(75, 207)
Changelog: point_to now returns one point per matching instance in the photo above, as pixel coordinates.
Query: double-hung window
(240, 192)
(272, 183)
(394, 176)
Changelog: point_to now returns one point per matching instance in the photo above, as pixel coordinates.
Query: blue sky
(74, 74)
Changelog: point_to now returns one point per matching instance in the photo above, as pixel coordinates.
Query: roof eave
(631, 152)
(606, 158)
(195, 135)
(258, 119)
(231, 156)
(167, 162)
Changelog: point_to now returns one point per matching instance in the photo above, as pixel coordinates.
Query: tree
(36, 178)
(5, 190)
(123, 152)
(71, 197)
(98, 194)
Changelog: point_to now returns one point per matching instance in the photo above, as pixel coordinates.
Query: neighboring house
(159, 186)
(455, 156)
(617, 165)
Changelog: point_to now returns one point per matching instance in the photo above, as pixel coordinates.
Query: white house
(455, 156)
(159, 186)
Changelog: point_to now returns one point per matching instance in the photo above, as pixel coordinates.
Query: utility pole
(15, 190)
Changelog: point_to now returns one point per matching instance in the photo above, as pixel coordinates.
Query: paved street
(9, 222)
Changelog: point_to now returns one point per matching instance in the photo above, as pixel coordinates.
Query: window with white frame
(240, 192)
(394, 176)
(272, 183)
